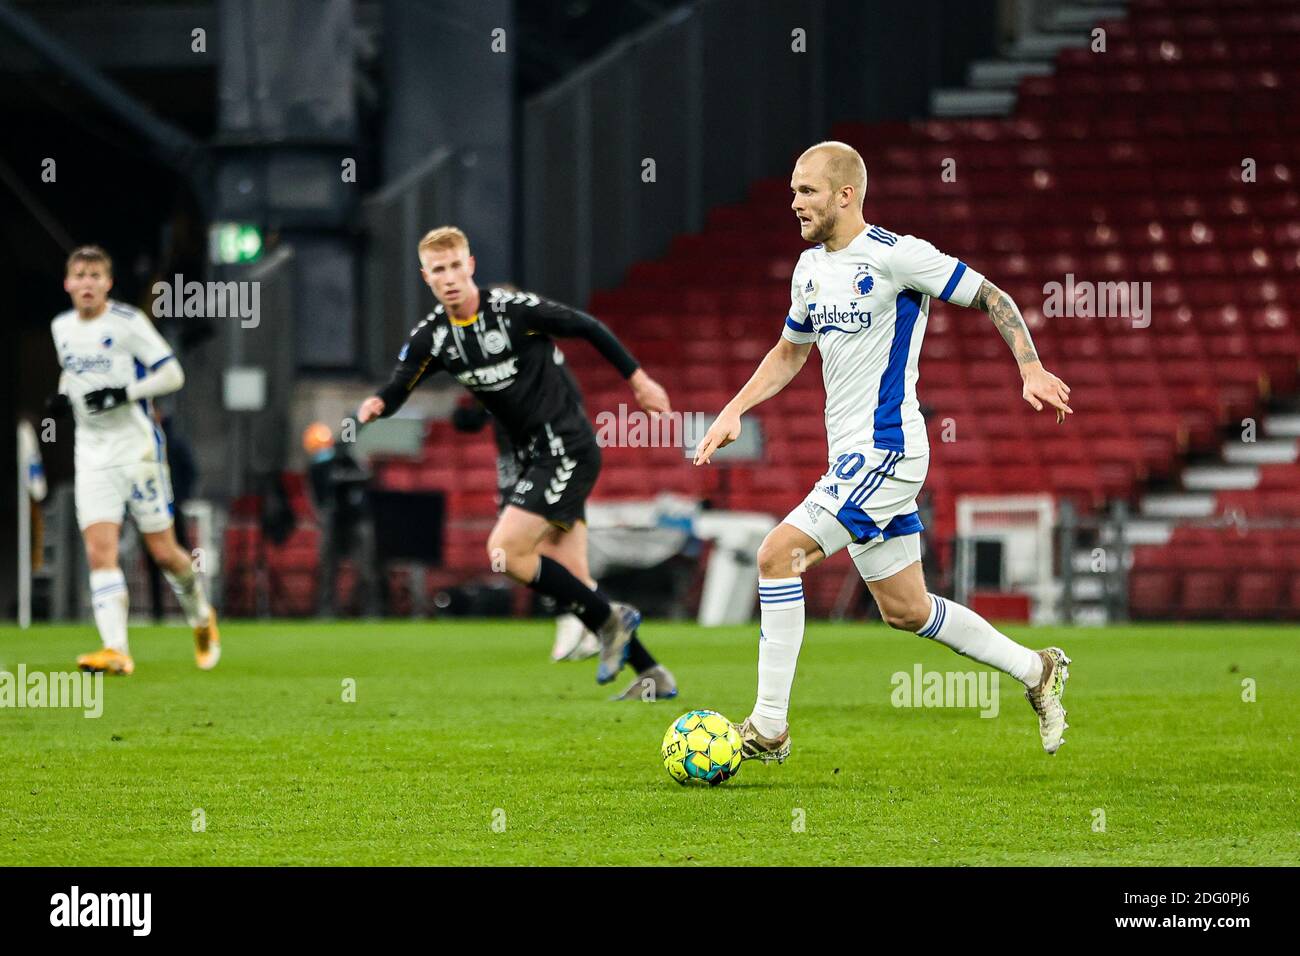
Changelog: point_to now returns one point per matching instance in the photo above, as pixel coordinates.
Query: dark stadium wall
(907, 50)
(9, 488)
(449, 83)
(112, 184)
(716, 95)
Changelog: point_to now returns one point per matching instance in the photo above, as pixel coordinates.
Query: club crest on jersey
(495, 342)
(863, 283)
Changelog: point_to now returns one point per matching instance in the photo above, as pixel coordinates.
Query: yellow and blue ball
(701, 746)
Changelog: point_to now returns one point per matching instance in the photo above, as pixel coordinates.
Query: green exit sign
(230, 243)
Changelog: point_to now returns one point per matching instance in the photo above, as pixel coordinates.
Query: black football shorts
(558, 470)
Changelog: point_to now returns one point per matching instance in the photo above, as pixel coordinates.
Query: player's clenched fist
(724, 430)
(370, 409)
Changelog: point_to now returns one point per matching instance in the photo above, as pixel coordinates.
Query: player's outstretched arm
(412, 363)
(1040, 385)
(556, 319)
(774, 373)
(370, 409)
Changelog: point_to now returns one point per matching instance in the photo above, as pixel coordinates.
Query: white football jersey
(866, 307)
(111, 350)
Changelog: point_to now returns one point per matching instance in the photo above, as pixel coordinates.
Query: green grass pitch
(465, 745)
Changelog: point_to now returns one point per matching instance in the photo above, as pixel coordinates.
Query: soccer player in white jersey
(862, 295)
(114, 361)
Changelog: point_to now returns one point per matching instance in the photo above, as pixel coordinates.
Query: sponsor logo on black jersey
(490, 377)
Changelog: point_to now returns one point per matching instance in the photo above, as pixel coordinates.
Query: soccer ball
(703, 747)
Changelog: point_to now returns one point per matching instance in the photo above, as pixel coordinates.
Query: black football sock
(639, 657)
(556, 581)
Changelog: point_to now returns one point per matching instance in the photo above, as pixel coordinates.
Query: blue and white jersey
(110, 351)
(866, 307)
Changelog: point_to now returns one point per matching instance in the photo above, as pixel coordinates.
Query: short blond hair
(844, 166)
(444, 237)
(89, 254)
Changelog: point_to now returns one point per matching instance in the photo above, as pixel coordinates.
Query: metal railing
(394, 218)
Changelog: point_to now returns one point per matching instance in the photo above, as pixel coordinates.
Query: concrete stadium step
(1173, 505)
(955, 103)
(1270, 451)
(1149, 529)
(1091, 615)
(1083, 558)
(1083, 16)
(1282, 426)
(1087, 603)
(1045, 46)
(1005, 74)
(1081, 561)
(1089, 587)
(1220, 477)
(992, 84)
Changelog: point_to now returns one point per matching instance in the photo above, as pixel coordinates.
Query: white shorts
(867, 503)
(105, 494)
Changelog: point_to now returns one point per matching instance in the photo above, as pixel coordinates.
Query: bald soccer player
(862, 295)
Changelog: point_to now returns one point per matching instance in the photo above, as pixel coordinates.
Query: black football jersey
(506, 357)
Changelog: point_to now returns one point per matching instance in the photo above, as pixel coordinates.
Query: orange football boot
(108, 661)
(207, 643)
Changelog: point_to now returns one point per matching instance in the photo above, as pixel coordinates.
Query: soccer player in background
(499, 346)
(573, 642)
(114, 361)
(862, 294)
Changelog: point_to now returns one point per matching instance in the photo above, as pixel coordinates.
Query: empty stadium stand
(1168, 159)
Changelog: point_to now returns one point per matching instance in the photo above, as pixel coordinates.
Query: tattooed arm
(1040, 385)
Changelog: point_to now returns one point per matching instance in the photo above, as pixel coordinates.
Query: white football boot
(754, 746)
(1046, 698)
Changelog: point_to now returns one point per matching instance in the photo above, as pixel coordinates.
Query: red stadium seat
(1118, 168)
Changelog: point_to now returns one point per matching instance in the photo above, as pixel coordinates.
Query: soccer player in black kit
(501, 350)
(573, 642)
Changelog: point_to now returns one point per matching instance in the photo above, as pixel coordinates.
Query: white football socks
(969, 634)
(189, 592)
(781, 616)
(109, 600)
